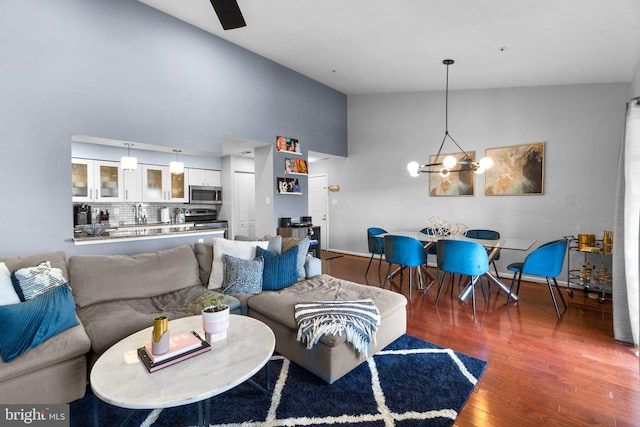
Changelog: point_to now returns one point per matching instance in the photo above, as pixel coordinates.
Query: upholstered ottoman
(332, 357)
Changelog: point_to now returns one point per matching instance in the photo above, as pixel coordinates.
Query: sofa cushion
(204, 255)
(279, 271)
(8, 294)
(239, 249)
(30, 323)
(279, 305)
(29, 282)
(62, 347)
(56, 259)
(104, 323)
(99, 278)
(242, 276)
(303, 248)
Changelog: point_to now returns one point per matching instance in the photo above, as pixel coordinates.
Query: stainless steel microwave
(205, 195)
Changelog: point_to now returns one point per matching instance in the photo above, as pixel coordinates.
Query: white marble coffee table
(119, 378)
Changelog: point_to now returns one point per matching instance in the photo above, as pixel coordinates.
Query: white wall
(581, 126)
(635, 84)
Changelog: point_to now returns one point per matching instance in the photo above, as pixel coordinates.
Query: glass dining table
(494, 247)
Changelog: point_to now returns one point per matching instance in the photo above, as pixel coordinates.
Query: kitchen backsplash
(125, 213)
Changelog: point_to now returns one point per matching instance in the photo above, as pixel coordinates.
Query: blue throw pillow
(242, 276)
(279, 271)
(29, 323)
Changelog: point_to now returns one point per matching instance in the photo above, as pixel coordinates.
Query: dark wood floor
(541, 370)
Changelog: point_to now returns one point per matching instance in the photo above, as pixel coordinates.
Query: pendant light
(446, 165)
(127, 162)
(176, 167)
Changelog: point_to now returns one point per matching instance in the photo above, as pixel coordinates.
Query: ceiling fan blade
(228, 13)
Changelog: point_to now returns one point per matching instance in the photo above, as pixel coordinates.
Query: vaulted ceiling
(376, 46)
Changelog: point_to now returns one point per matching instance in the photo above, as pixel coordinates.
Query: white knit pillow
(8, 295)
(239, 249)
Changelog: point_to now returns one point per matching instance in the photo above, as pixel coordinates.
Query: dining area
(464, 259)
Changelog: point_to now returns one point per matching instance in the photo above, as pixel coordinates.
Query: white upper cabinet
(205, 177)
(160, 185)
(133, 185)
(96, 181)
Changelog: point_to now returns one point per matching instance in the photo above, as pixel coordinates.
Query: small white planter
(215, 324)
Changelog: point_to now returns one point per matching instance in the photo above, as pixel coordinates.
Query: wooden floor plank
(541, 370)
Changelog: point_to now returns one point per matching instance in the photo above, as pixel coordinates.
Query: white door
(244, 204)
(319, 206)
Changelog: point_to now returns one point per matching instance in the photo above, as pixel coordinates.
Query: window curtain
(626, 246)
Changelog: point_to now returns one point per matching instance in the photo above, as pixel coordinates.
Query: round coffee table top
(119, 377)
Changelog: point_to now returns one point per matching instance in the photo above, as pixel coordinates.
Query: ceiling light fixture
(446, 165)
(127, 162)
(176, 167)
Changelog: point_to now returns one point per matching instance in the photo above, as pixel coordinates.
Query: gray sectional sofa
(118, 295)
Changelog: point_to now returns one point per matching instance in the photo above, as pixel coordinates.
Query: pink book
(178, 344)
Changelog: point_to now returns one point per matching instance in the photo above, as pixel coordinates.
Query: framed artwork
(517, 170)
(456, 183)
(288, 185)
(298, 166)
(288, 145)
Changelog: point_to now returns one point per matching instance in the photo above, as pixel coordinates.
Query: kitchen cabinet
(160, 185)
(133, 185)
(96, 181)
(206, 177)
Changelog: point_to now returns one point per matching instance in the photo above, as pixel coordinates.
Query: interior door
(244, 211)
(319, 206)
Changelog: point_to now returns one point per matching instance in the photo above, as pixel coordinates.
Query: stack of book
(182, 346)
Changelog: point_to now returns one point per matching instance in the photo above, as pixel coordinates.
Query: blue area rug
(409, 383)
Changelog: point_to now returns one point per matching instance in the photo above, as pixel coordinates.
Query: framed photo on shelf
(517, 170)
(288, 145)
(456, 183)
(296, 166)
(288, 185)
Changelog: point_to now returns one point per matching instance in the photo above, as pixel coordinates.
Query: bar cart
(589, 264)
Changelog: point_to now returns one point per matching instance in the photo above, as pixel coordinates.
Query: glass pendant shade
(128, 163)
(486, 163)
(176, 167)
(449, 162)
(413, 168)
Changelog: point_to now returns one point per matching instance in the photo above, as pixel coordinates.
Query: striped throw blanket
(357, 320)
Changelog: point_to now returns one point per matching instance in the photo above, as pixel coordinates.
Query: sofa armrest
(312, 266)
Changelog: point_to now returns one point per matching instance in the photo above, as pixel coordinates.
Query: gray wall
(581, 126)
(120, 69)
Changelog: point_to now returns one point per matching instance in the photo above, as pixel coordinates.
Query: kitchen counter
(148, 231)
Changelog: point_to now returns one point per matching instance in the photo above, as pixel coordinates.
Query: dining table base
(469, 288)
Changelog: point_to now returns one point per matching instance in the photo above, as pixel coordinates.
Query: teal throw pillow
(280, 271)
(29, 323)
(242, 276)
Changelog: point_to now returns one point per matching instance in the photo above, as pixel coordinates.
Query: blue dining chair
(482, 234)
(462, 257)
(405, 252)
(376, 246)
(547, 262)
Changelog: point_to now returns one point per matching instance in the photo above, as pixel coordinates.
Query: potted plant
(215, 316)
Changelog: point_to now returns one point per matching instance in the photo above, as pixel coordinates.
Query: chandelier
(446, 165)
